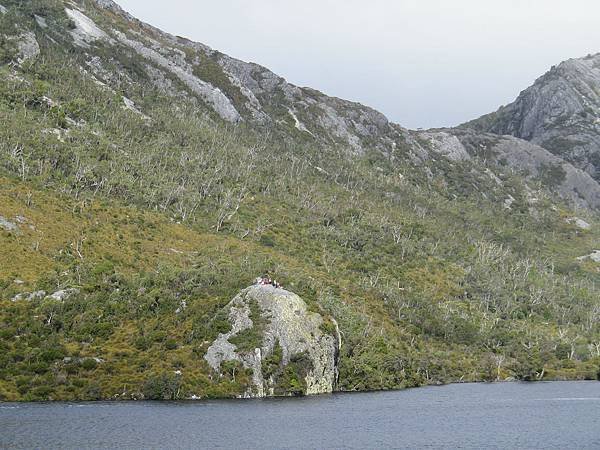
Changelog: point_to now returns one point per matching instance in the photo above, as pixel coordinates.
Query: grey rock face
(41, 21)
(286, 324)
(7, 225)
(37, 295)
(27, 46)
(178, 67)
(86, 31)
(594, 256)
(327, 119)
(63, 294)
(560, 112)
(534, 163)
(445, 144)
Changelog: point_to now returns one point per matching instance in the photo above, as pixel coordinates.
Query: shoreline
(189, 401)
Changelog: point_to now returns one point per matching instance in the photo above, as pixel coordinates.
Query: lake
(548, 415)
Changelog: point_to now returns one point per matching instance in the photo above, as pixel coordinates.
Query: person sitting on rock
(267, 281)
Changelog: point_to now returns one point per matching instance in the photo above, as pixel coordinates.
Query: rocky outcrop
(37, 295)
(594, 256)
(7, 225)
(579, 223)
(275, 336)
(27, 47)
(444, 144)
(60, 296)
(560, 112)
(534, 163)
(86, 31)
(63, 294)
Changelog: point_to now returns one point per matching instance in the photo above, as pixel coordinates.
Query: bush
(292, 380)
(89, 364)
(93, 392)
(162, 387)
(171, 344)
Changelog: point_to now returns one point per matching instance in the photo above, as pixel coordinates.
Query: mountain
(147, 181)
(559, 113)
(534, 163)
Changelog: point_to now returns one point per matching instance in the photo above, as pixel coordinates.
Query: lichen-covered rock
(288, 348)
(7, 225)
(63, 294)
(445, 144)
(594, 256)
(27, 46)
(86, 31)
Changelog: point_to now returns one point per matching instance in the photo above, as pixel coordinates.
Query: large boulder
(289, 349)
(27, 46)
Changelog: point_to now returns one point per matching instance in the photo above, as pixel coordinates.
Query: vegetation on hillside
(158, 223)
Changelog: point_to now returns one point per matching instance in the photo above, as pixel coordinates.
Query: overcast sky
(423, 63)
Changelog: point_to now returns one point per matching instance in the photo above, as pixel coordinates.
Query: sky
(423, 63)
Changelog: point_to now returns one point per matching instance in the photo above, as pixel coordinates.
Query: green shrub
(162, 387)
(171, 344)
(89, 364)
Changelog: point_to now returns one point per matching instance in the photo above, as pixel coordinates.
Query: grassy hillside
(158, 220)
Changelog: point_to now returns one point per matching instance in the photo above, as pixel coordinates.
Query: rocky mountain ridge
(239, 91)
(559, 112)
(244, 92)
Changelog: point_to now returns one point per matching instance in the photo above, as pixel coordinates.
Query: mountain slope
(149, 179)
(238, 91)
(535, 164)
(559, 112)
(235, 91)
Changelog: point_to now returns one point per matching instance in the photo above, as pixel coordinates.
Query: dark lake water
(468, 416)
